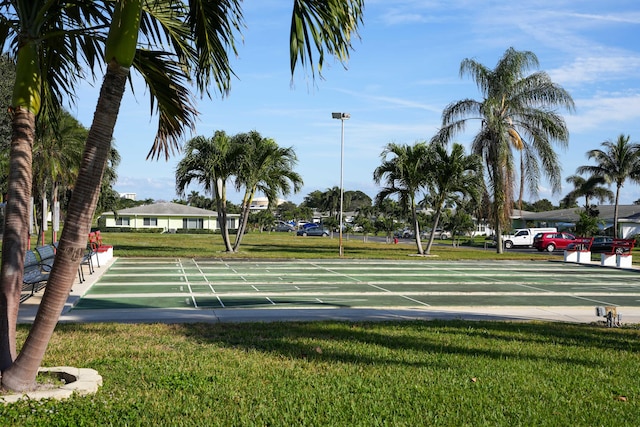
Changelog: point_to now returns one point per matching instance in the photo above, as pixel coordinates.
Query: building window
(150, 222)
(123, 220)
(193, 223)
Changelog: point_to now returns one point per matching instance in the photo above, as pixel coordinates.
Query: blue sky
(402, 73)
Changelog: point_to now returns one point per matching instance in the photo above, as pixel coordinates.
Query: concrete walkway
(585, 314)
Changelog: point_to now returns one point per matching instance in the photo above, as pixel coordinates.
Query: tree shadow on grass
(492, 340)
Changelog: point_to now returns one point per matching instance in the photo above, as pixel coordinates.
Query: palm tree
(197, 36)
(619, 160)
(57, 154)
(264, 167)
(49, 42)
(109, 199)
(7, 81)
(588, 188)
(404, 170)
(331, 202)
(453, 175)
(518, 111)
(211, 162)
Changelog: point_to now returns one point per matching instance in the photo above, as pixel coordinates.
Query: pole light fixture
(342, 117)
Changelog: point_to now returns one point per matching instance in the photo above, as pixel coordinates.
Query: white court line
(200, 270)
(473, 270)
(334, 272)
(415, 300)
(186, 279)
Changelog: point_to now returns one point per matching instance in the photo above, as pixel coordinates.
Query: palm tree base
(80, 381)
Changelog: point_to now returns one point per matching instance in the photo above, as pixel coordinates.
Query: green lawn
(287, 245)
(345, 374)
(450, 373)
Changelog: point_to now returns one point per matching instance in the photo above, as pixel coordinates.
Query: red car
(552, 241)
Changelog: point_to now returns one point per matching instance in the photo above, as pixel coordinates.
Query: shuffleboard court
(201, 284)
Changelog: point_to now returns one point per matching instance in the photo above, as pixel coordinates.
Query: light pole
(342, 117)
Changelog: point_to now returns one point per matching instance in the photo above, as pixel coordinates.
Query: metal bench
(35, 276)
(47, 257)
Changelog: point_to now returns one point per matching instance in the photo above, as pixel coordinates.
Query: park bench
(579, 251)
(619, 255)
(86, 260)
(34, 277)
(47, 256)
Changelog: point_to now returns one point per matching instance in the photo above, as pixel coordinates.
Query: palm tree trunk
(22, 373)
(436, 220)
(16, 231)
(615, 212)
(244, 219)
(221, 206)
(54, 202)
(521, 195)
(416, 228)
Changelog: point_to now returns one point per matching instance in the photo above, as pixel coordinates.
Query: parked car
(308, 225)
(443, 234)
(524, 236)
(439, 234)
(551, 241)
(313, 231)
(602, 244)
(284, 227)
(403, 234)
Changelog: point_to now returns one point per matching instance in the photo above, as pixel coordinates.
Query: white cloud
(609, 112)
(596, 69)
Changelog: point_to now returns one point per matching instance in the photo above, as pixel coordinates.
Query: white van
(524, 236)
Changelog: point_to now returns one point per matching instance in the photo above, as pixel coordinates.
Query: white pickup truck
(524, 236)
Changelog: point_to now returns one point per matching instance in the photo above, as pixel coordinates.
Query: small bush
(195, 231)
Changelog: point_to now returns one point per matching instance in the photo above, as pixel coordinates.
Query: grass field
(410, 373)
(287, 245)
(345, 374)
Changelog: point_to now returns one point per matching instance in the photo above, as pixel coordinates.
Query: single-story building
(169, 217)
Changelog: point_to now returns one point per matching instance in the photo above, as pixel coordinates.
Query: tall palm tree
(452, 175)
(109, 198)
(57, 154)
(210, 162)
(49, 41)
(196, 37)
(331, 202)
(7, 81)
(618, 161)
(517, 111)
(404, 171)
(589, 188)
(263, 166)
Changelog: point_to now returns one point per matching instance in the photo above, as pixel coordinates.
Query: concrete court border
(571, 314)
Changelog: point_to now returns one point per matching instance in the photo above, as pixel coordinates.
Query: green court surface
(218, 284)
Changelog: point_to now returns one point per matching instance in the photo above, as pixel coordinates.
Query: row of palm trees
(517, 118)
(249, 161)
(182, 45)
(407, 170)
(517, 115)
